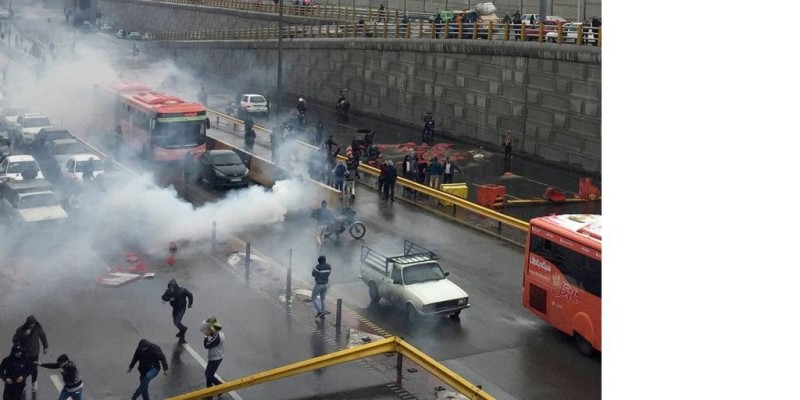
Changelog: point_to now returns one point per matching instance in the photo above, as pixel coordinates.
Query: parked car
(27, 127)
(569, 33)
(72, 169)
(134, 36)
(447, 16)
(532, 31)
(13, 166)
(221, 168)
(254, 104)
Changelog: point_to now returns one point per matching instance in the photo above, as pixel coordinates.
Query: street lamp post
(280, 61)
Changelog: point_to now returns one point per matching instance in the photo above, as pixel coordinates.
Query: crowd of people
(30, 340)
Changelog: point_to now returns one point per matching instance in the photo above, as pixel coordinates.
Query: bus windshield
(179, 134)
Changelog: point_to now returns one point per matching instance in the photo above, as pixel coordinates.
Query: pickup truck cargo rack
(412, 253)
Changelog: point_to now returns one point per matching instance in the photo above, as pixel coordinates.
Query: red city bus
(562, 278)
(157, 125)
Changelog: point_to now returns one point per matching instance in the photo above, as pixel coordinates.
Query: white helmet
(302, 100)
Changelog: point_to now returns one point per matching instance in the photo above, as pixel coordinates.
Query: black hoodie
(177, 295)
(13, 367)
(148, 356)
(30, 342)
(70, 374)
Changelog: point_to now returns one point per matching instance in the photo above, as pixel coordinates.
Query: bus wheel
(374, 296)
(584, 347)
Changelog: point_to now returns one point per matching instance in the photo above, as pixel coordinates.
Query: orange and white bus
(562, 278)
(158, 126)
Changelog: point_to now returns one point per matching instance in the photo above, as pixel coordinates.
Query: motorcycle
(346, 221)
(299, 118)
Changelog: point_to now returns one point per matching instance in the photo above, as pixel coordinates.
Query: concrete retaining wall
(549, 94)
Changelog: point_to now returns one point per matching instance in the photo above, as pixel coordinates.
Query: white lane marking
(346, 126)
(57, 381)
(203, 363)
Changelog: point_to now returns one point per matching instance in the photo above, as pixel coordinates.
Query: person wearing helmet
(73, 384)
(301, 112)
(14, 369)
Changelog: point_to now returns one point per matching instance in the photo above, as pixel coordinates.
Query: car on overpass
(569, 33)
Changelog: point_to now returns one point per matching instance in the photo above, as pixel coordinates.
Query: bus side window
(566, 261)
(590, 276)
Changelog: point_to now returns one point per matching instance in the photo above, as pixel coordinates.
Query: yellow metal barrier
(427, 190)
(449, 198)
(388, 345)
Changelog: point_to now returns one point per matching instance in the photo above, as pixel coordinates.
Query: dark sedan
(222, 168)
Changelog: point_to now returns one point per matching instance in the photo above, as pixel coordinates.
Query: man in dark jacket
(28, 336)
(177, 296)
(321, 273)
(148, 355)
(14, 369)
(73, 384)
(389, 180)
(450, 168)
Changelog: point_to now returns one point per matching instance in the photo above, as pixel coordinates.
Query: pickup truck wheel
(374, 296)
(411, 314)
(584, 347)
(456, 315)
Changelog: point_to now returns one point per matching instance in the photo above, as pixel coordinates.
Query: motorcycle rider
(301, 111)
(342, 104)
(325, 220)
(249, 133)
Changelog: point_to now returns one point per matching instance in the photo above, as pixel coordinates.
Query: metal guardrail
(314, 10)
(383, 346)
(397, 30)
(376, 24)
(456, 209)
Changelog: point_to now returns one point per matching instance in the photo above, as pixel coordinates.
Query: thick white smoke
(149, 216)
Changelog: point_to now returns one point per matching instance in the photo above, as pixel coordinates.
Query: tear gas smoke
(140, 212)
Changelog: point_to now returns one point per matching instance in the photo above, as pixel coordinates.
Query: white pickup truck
(413, 281)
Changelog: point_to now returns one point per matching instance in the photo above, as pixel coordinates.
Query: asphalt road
(497, 344)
